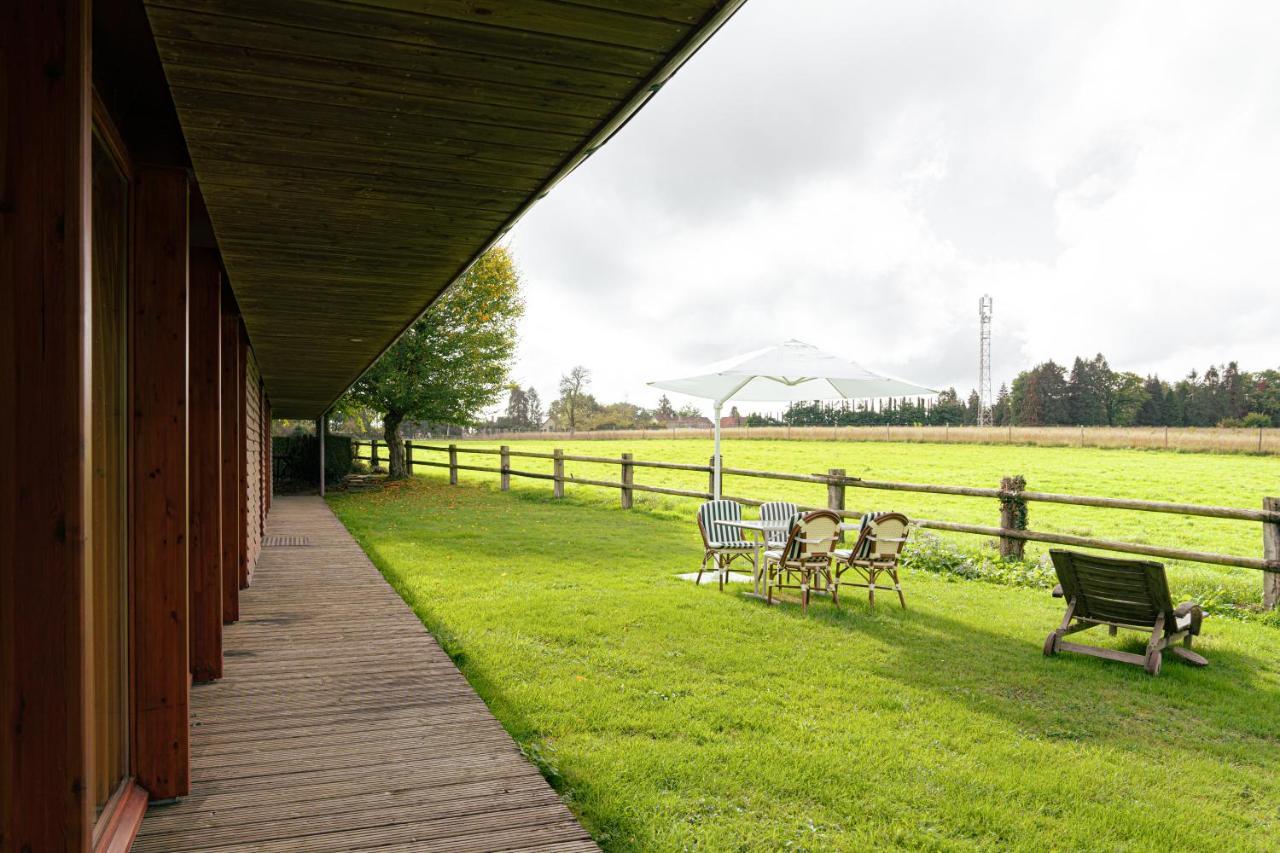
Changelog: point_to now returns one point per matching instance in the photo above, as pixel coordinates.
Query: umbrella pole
(716, 489)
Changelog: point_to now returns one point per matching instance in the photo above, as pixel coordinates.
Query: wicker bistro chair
(875, 553)
(804, 561)
(723, 543)
(779, 513)
(1130, 594)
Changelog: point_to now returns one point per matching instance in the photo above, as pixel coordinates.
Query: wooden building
(213, 212)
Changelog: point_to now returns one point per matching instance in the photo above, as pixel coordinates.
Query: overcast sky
(857, 174)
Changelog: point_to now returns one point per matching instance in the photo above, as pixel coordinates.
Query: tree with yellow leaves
(453, 361)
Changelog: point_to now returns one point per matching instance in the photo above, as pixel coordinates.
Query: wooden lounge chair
(1122, 594)
(779, 513)
(723, 543)
(804, 562)
(875, 552)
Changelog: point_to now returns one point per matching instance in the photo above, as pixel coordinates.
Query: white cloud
(856, 175)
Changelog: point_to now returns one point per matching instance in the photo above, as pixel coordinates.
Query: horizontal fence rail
(1011, 533)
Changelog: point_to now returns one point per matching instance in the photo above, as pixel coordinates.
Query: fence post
(453, 465)
(835, 489)
(504, 455)
(1013, 515)
(628, 477)
(557, 473)
(1271, 551)
(408, 457)
(373, 453)
(711, 477)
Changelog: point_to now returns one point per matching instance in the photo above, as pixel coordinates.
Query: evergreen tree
(517, 408)
(1000, 412)
(1176, 401)
(1039, 396)
(1232, 402)
(973, 408)
(1152, 410)
(1088, 391)
(536, 415)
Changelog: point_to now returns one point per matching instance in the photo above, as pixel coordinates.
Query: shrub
(930, 553)
(295, 459)
(1253, 420)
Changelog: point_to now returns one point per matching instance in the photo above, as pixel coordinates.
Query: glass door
(108, 609)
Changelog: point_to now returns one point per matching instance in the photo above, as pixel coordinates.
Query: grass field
(674, 717)
(1221, 479)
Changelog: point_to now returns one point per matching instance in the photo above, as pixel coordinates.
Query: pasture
(1201, 478)
(675, 717)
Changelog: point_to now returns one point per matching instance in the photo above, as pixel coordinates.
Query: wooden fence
(1262, 440)
(1011, 531)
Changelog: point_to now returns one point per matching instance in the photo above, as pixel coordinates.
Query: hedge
(294, 459)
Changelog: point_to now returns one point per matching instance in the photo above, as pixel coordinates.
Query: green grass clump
(673, 717)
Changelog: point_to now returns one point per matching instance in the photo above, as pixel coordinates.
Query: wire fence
(1261, 440)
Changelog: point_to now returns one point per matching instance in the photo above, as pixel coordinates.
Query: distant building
(688, 423)
(734, 420)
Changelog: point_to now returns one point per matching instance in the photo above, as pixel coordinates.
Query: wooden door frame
(121, 817)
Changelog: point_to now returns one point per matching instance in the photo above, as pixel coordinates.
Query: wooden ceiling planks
(356, 156)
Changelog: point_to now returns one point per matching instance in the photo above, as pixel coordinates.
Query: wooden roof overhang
(356, 157)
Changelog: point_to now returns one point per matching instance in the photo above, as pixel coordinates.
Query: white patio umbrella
(787, 373)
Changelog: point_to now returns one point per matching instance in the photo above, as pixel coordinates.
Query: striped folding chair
(804, 562)
(777, 513)
(723, 542)
(875, 552)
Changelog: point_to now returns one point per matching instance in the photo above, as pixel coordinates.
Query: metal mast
(985, 400)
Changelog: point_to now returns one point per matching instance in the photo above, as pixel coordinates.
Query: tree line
(576, 408)
(1090, 394)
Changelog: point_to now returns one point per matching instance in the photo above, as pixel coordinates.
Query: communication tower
(985, 400)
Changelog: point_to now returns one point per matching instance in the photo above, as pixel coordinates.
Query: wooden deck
(342, 725)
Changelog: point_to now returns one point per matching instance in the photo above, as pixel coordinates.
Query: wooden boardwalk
(342, 725)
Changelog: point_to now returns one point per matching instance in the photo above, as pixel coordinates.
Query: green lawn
(1221, 479)
(673, 717)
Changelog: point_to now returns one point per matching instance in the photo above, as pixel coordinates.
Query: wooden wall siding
(230, 442)
(372, 149)
(44, 312)
(205, 430)
(264, 478)
(159, 485)
(242, 464)
(253, 466)
(270, 465)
